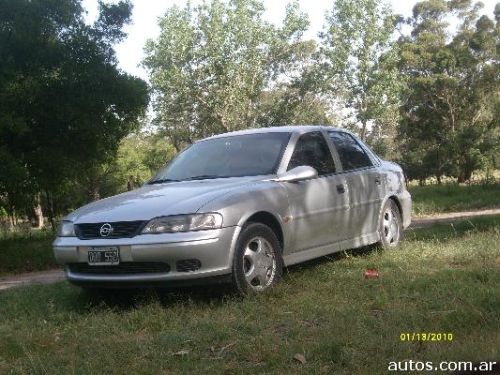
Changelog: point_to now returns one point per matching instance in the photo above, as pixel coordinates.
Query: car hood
(151, 201)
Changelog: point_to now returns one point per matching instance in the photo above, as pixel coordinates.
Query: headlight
(66, 229)
(183, 223)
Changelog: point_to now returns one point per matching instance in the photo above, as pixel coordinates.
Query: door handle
(377, 180)
(340, 188)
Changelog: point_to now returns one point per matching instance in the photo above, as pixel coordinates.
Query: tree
(297, 99)
(64, 104)
(211, 64)
(139, 156)
(419, 130)
(358, 66)
(448, 118)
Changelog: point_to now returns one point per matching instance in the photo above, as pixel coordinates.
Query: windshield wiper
(202, 177)
(161, 181)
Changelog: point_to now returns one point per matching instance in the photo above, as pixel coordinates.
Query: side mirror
(296, 174)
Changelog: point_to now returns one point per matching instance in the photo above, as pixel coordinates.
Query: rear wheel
(390, 227)
(257, 263)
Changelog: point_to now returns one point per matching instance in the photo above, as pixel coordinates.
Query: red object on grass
(371, 273)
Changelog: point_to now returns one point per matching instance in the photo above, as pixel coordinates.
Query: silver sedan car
(239, 207)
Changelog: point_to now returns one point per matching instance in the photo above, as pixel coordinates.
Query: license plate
(104, 256)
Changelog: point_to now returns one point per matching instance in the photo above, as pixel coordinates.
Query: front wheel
(390, 226)
(257, 263)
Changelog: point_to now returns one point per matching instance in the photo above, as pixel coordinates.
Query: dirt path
(426, 221)
(41, 277)
(52, 276)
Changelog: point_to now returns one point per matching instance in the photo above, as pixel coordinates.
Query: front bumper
(213, 248)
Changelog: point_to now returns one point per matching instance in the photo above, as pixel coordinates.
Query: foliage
(26, 252)
(139, 156)
(450, 113)
(357, 59)
(297, 100)
(211, 64)
(64, 104)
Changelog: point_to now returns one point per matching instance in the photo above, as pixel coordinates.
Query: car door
(317, 206)
(364, 184)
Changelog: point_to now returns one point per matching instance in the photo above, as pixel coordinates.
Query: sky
(145, 15)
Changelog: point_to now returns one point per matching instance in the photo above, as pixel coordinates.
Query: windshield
(232, 156)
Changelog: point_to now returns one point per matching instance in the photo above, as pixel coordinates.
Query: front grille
(121, 229)
(124, 268)
(188, 265)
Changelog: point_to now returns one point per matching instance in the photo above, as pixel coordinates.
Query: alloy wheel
(390, 227)
(259, 263)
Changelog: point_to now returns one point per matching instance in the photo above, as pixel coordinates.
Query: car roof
(276, 129)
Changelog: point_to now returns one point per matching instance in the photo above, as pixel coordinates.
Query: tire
(390, 226)
(257, 262)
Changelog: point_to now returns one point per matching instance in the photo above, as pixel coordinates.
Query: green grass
(24, 253)
(435, 199)
(444, 279)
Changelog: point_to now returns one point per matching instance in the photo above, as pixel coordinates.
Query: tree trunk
(93, 188)
(94, 191)
(12, 216)
(94, 195)
(363, 130)
(50, 211)
(487, 177)
(38, 212)
(439, 167)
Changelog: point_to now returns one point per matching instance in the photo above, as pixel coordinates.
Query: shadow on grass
(335, 257)
(208, 295)
(62, 298)
(131, 298)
